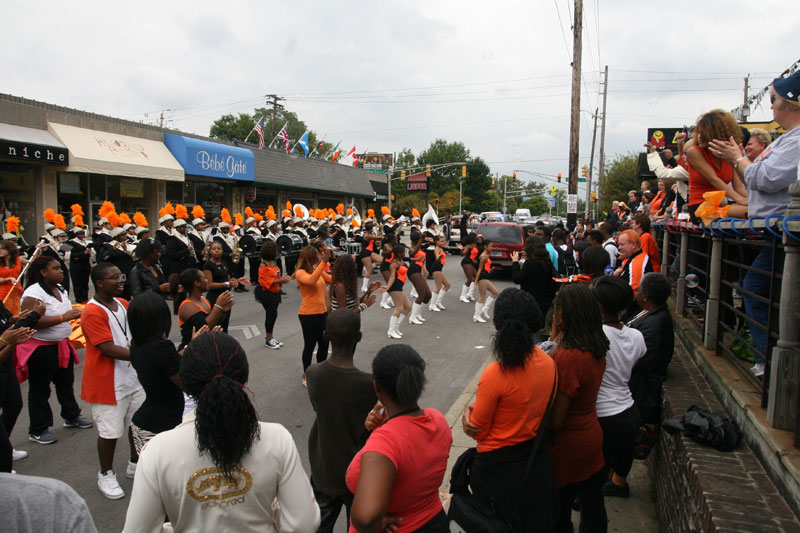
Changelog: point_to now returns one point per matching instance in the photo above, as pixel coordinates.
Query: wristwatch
(227, 284)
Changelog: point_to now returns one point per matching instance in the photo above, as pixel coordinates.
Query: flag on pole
(283, 135)
(350, 159)
(259, 128)
(303, 142)
(335, 152)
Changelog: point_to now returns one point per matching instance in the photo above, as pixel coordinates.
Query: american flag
(259, 129)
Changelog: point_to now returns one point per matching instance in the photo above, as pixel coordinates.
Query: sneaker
(613, 490)
(272, 344)
(758, 370)
(109, 486)
(45, 437)
(19, 455)
(131, 470)
(80, 422)
(276, 340)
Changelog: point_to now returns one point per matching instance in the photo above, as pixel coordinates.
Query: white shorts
(112, 421)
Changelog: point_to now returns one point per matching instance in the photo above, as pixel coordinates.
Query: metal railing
(714, 268)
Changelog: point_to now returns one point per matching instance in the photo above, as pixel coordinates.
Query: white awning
(100, 152)
(28, 135)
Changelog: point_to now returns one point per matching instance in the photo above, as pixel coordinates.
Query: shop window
(189, 193)
(329, 203)
(16, 198)
(97, 188)
(175, 192)
(72, 189)
(211, 196)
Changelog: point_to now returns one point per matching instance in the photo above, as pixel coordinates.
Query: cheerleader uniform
(399, 279)
(401, 274)
(386, 300)
(487, 267)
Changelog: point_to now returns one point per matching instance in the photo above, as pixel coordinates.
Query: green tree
(537, 205)
(619, 178)
(232, 128)
(476, 185)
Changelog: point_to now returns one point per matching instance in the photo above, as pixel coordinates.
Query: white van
(523, 216)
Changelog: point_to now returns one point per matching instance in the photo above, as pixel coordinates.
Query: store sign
(39, 153)
(205, 158)
(374, 161)
(417, 182)
(131, 188)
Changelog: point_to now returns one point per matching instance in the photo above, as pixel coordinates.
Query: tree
(405, 159)
(620, 177)
(476, 185)
(231, 128)
(537, 205)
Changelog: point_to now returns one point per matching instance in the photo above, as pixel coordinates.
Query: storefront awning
(100, 152)
(31, 145)
(215, 160)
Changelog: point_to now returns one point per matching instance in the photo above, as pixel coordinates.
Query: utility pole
(505, 190)
(575, 117)
(272, 100)
(745, 108)
(591, 163)
(602, 134)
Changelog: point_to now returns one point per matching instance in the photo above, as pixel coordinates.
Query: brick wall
(701, 489)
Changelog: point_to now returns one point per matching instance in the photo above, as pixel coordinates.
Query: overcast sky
(384, 75)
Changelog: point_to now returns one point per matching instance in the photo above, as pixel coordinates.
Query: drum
(289, 244)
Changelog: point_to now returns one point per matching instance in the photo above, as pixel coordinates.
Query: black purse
(474, 516)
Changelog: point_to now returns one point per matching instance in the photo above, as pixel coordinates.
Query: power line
(563, 35)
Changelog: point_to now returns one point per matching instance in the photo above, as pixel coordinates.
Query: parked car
(492, 216)
(523, 216)
(507, 237)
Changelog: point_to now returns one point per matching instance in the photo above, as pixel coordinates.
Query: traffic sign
(572, 203)
(551, 203)
(553, 189)
(581, 180)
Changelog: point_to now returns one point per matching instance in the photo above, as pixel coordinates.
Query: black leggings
(43, 369)
(423, 291)
(313, 328)
(270, 302)
(10, 398)
(593, 508)
(619, 431)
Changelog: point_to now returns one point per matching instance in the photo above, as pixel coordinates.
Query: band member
(231, 256)
(251, 247)
(81, 255)
(165, 231)
(142, 233)
(52, 244)
(199, 237)
(130, 231)
(389, 228)
(102, 233)
(442, 283)
(272, 231)
(180, 250)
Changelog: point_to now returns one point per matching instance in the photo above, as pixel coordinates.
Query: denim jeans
(758, 311)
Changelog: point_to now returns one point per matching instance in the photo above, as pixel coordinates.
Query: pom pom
(248, 212)
(340, 209)
(225, 215)
(238, 219)
(114, 219)
(258, 216)
(12, 224)
(710, 208)
(289, 205)
(59, 222)
(139, 219)
(371, 213)
(198, 212)
(105, 209)
(125, 218)
(271, 215)
(349, 211)
(181, 211)
(49, 215)
(298, 212)
(385, 210)
(286, 213)
(78, 221)
(76, 210)
(414, 212)
(169, 209)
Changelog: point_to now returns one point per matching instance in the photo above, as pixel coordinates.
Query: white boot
(486, 306)
(397, 327)
(477, 316)
(392, 333)
(440, 299)
(413, 293)
(463, 297)
(432, 303)
(471, 292)
(412, 318)
(385, 299)
(365, 284)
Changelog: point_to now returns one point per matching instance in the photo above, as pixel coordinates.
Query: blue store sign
(204, 158)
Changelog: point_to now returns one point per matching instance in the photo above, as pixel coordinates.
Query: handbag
(472, 515)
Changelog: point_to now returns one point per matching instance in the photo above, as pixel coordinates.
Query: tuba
(430, 215)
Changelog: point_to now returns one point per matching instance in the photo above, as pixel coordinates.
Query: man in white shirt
(609, 245)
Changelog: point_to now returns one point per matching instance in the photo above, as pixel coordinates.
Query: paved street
(452, 345)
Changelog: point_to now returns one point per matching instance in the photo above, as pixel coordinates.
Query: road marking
(249, 331)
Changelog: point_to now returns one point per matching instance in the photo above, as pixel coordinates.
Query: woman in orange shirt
(269, 290)
(510, 404)
(10, 267)
(641, 225)
(311, 280)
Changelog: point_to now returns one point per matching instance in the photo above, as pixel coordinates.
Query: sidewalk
(637, 513)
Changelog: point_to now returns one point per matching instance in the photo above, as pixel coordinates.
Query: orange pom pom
(114, 219)
(298, 212)
(414, 212)
(371, 213)
(340, 209)
(49, 215)
(125, 218)
(258, 216)
(76, 209)
(349, 211)
(288, 205)
(78, 221)
(248, 211)
(225, 215)
(169, 209)
(12, 224)
(105, 209)
(59, 222)
(198, 212)
(181, 211)
(286, 213)
(139, 219)
(238, 219)
(271, 215)
(385, 210)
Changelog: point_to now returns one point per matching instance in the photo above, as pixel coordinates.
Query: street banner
(374, 161)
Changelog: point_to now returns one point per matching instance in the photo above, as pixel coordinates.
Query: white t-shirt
(611, 247)
(126, 381)
(627, 347)
(52, 307)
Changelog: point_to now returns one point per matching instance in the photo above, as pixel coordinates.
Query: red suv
(506, 237)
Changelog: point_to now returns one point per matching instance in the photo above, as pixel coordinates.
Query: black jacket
(651, 370)
(141, 280)
(536, 278)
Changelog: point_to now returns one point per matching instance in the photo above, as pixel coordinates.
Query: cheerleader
(369, 254)
(442, 283)
(482, 280)
(469, 266)
(417, 274)
(397, 278)
(388, 244)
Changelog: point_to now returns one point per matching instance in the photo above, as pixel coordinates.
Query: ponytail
(180, 285)
(518, 319)
(400, 372)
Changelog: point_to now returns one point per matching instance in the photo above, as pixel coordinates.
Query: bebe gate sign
(230, 166)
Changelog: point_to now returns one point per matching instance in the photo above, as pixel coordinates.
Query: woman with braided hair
(221, 456)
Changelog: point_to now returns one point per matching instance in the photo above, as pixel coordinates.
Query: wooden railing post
(785, 364)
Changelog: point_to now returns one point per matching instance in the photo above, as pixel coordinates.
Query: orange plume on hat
(225, 215)
(114, 219)
(415, 213)
(181, 211)
(288, 205)
(76, 209)
(286, 213)
(49, 215)
(139, 219)
(248, 211)
(298, 212)
(198, 212)
(349, 211)
(258, 216)
(78, 221)
(59, 222)
(238, 219)
(105, 209)
(12, 224)
(169, 209)
(125, 218)
(385, 210)
(340, 209)
(371, 213)
(271, 215)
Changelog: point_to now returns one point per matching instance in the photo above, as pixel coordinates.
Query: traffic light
(463, 171)
(594, 197)
(559, 177)
(403, 174)
(428, 170)
(514, 175)
(584, 171)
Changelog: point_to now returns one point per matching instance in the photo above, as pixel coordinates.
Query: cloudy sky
(384, 75)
